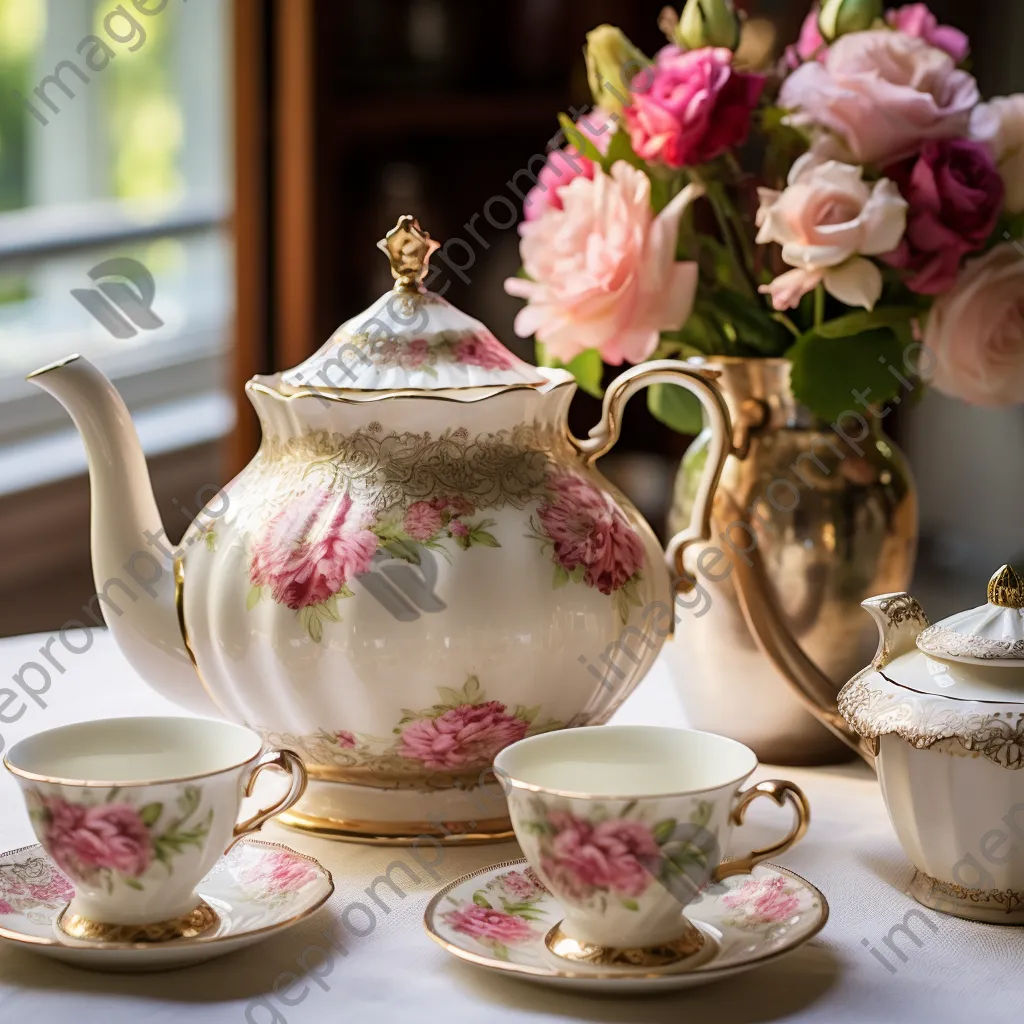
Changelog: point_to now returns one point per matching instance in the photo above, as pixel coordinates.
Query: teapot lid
(412, 339)
(992, 634)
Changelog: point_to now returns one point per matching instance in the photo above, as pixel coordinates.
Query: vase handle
(603, 437)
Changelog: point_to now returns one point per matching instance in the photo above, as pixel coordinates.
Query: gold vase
(808, 521)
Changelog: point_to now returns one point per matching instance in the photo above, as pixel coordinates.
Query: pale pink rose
(5, 908)
(810, 45)
(84, 840)
(603, 271)
(584, 857)
(827, 220)
(278, 873)
(565, 165)
(422, 520)
(468, 735)
(975, 332)
(691, 106)
(345, 738)
(456, 506)
(522, 886)
(308, 554)
(883, 93)
(416, 352)
(764, 898)
(57, 890)
(588, 529)
(999, 124)
(458, 528)
(917, 20)
(488, 925)
(482, 350)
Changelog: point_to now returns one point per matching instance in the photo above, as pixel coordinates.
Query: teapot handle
(603, 437)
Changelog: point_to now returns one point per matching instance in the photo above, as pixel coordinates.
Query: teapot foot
(389, 833)
(989, 906)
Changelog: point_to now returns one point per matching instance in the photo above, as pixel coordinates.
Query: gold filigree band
(609, 956)
(191, 925)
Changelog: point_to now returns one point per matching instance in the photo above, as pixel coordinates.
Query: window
(114, 170)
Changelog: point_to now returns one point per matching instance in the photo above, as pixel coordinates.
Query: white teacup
(626, 825)
(136, 811)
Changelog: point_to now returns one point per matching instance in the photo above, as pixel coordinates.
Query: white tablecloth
(959, 972)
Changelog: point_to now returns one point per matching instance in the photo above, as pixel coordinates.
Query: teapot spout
(134, 583)
(900, 620)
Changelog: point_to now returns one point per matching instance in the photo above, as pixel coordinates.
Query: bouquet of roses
(853, 209)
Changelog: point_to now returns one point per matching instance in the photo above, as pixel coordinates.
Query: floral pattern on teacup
(502, 913)
(762, 901)
(271, 877)
(590, 539)
(475, 349)
(112, 840)
(608, 859)
(31, 886)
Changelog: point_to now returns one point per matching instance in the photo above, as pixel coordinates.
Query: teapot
(420, 566)
(939, 712)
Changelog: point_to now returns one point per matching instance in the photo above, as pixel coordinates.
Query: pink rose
(5, 908)
(422, 520)
(883, 93)
(416, 351)
(603, 271)
(307, 554)
(458, 528)
(565, 165)
(955, 194)
(584, 857)
(522, 886)
(84, 840)
(345, 739)
(278, 873)
(764, 898)
(488, 925)
(810, 45)
(693, 108)
(588, 529)
(57, 890)
(975, 332)
(468, 735)
(482, 350)
(456, 506)
(917, 20)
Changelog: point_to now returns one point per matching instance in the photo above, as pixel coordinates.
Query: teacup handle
(698, 382)
(782, 793)
(285, 761)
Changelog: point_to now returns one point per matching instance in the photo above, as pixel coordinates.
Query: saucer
(498, 918)
(257, 889)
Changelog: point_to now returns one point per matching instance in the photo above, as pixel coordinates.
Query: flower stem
(819, 305)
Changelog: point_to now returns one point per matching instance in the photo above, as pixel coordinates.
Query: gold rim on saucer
(660, 955)
(196, 922)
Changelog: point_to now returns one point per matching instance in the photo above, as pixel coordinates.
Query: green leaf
(701, 814)
(500, 950)
(149, 814)
(211, 540)
(631, 904)
(561, 577)
(481, 900)
(253, 598)
(329, 609)
(587, 368)
(401, 549)
(488, 540)
(663, 830)
(830, 374)
(753, 323)
(314, 626)
(577, 139)
(865, 320)
(133, 883)
(620, 148)
(676, 408)
(471, 690)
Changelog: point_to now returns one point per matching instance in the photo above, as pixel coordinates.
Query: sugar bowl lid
(992, 634)
(411, 339)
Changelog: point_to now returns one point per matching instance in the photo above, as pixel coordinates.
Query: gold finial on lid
(1006, 588)
(409, 248)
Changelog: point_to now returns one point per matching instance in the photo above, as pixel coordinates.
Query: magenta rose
(422, 520)
(468, 735)
(83, 840)
(482, 350)
(565, 165)
(917, 20)
(955, 193)
(584, 857)
(882, 94)
(307, 554)
(488, 925)
(589, 530)
(694, 106)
